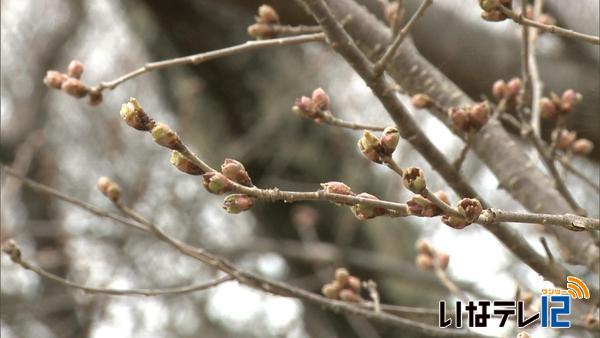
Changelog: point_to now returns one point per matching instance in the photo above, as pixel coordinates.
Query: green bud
(470, 208)
(389, 140)
(163, 135)
(236, 203)
(215, 183)
(369, 146)
(414, 180)
(185, 165)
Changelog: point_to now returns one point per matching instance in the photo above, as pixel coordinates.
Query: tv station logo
(555, 304)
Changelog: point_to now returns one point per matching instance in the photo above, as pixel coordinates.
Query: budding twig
(379, 66)
(522, 20)
(18, 259)
(215, 54)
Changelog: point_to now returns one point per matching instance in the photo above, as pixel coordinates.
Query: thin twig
(547, 249)
(380, 65)
(522, 20)
(525, 46)
(536, 83)
(463, 153)
(203, 57)
(121, 292)
(328, 118)
(390, 163)
(374, 294)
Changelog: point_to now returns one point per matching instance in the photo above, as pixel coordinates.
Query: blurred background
(239, 107)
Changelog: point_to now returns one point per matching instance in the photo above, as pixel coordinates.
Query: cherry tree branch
(522, 20)
(207, 56)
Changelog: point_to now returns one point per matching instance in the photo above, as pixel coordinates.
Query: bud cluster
(375, 149)
(312, 107)
(418, 205)
(470, 118)
(364, 211)
(556, 106)
(510, 90)
(425, 257)
(266, 20)
(71, 84)
(491, 9)
(344, 287)
(566, 140)
(109, 188)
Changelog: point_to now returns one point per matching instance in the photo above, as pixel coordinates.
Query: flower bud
(455, 222)
(331, 291)
(424, 262)
(74, 87)
(414, 180)
(348, 295)
(569, 99)
(389, 140)
(493, 16)
(54, 79)
(421, 206)
(215, 183)
(163, 135)
(547, 108)
(235, 171)
(564, 138)
(10, 248)
(513, 87)
(443, 260)
(582, 146)
(75, 69)
(109, 188)
(303, 107)
(185, 165)
(342, 275)
(236, 203)
(354, 283)
(268, 15)
(95, 97)
(423, 247)
(421, 101)
(369, 146)
(261, 31)
(499, 89)
(364, 211)
(488, 5)
(320, 100)
(479, 114)
(459, 118)
(133, 114)
(470, 208)
(334, 187)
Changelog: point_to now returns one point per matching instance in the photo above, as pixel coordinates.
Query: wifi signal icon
(577, 288)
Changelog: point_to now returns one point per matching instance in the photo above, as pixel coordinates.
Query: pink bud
(421, 101)
(74, 87)
(268, 15)
(336, 188)
(547, 108)
(582, 146)
(499, 89)
(320, 100)
(514, 87)
(75, 69)
(54, 79)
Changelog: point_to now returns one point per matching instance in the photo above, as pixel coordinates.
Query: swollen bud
(54, 79)
(349, 295)
(215, 183)
(320, 100)
(499, 89)
(75, 69)
(334, 187)
(564, 138)
(342, 275)
(389, 140)
(470, 208)
(459, 118)
(547, 108)
(261, 31)
(369, 146)
(582, 146)
(268, 15)
(109, 188)
(236, 203)
(414, 180)
(421, 206)
(331, 290)
(133, 114)
(569, 99)
(455, 222)
(235, 171)
(10, 248)
(421, 101)
(364, 211)
(304, 107)
(479, 115)
(74, 87)
(513, 87)
(163, 135)
(185, 165)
